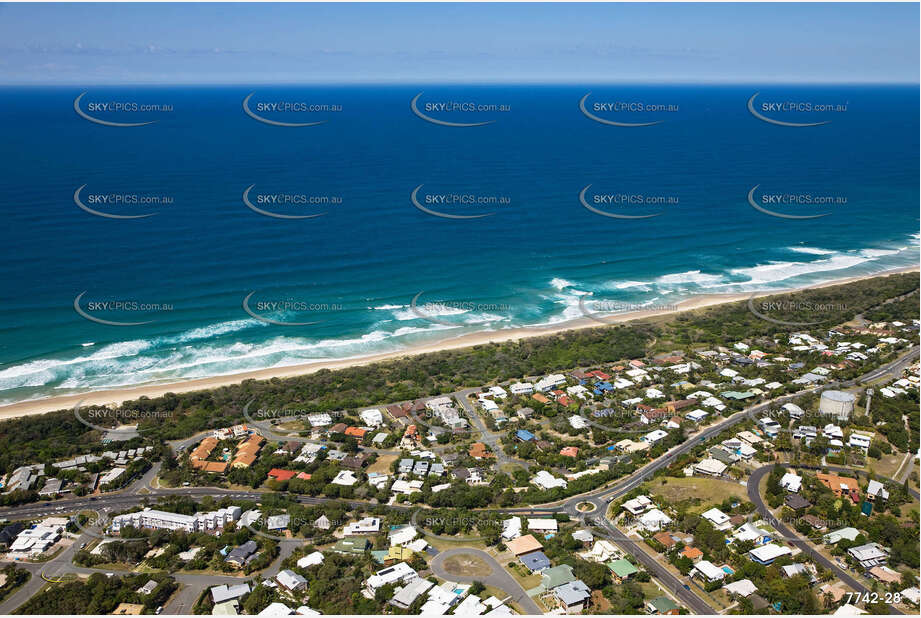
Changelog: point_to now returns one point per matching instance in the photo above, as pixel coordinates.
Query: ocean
(212, 275)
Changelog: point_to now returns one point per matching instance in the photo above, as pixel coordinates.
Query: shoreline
(116, 397)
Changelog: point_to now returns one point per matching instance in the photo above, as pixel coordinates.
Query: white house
(311, 559)
(543, 525)
(372, 417)
(719, 519)
(545, 480)
(708, 571)
(402, 536)
(710, 467)
(550, 382)
(399, 573)
(521, 388)
(511, 528)
(791, 482)
(766, 554)
(654, 520)
(577, 391)
(697, 415)
(498, 392)
(368, 525)
(637, 506)
(290, 580)
(743, 588)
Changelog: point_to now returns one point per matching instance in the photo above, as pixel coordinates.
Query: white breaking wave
(428, 310)
(561, 283)
(692, 277)
(811, 250)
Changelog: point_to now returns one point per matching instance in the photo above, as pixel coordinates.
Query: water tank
(837, 403)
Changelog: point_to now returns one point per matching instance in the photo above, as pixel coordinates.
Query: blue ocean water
(351, 273)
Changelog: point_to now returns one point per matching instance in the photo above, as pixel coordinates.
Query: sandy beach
(118, 396)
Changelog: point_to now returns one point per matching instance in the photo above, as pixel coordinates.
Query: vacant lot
(467, 565)
(382, 464)
(708, 491)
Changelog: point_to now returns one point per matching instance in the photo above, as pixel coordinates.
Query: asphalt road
(658, 570)
(754, 495)
(488, 438)
(499, 578)
(599, 498)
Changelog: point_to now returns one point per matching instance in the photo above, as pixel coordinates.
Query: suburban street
(499, 578)
(141, 492)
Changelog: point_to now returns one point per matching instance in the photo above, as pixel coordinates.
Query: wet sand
(116, 397)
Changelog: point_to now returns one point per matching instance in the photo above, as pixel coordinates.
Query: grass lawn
(290, 427)
(887, 465)
(443, 544)
(709, 492)
(492, 591)
(523, 576)
(382, 464)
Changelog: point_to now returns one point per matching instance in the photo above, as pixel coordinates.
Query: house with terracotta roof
(397, 411)
(840, 485)
(540, 397)
(674, 406)
(692, 553)
(203, 450)
(667, 540)
(243, 460)
(886, 575)
(523, 545)
(278, 474)
(569, 451)
(216, 467)
(247, 452)
(356, 432)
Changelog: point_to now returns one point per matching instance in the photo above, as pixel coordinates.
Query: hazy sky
(248, 43)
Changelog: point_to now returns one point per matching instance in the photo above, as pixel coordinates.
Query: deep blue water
(526, 263)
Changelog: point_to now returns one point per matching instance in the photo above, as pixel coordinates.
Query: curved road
(754, 495)
(598, 497)
(499, 578)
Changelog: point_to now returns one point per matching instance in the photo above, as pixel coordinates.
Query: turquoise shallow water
(350, 275)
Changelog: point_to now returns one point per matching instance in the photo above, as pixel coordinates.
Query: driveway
(754, 495)
(499, 578)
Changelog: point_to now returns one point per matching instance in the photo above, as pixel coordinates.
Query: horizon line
(487, 82)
